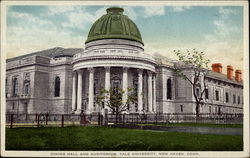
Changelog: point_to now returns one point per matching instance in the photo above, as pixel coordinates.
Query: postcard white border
(244, 153)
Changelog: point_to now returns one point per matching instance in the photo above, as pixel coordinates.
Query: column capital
(91, 69)
(107, 68)
(74, 72)
(79, 70)
(140, 71)
(150, 73)
(125, 68)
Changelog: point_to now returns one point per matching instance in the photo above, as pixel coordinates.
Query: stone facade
(63, 81)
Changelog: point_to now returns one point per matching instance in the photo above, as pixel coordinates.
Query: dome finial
(114, 10)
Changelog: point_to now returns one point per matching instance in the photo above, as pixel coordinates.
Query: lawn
(116, 139)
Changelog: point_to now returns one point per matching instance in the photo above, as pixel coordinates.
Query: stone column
(140, 108)
(79, 91)
(74, 91)
(154, 93)
(150, 90)
(107, 84)
(91, 91)
(125, 84)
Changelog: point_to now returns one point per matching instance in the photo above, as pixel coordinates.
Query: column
(107, 85)
(74, 91)
(150, 90)
(140, 108)
(154, 93)
(91, 90)
(125, 84)
(79, 91)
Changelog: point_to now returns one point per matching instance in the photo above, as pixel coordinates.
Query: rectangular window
(238, 99)
(206, 93)
(26, 89)
(227, 99)
(210, 110)
(217, 95)
(6, 88)
(13, 106)
(181, 108)
(198, 92)
(234, 99)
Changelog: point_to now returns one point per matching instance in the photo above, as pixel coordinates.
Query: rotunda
(113, 57)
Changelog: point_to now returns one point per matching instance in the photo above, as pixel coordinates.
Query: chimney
(230, 72)
(238, 75)
(217, 67)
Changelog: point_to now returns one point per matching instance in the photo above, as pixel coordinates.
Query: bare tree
(113, 99)
(196, 61)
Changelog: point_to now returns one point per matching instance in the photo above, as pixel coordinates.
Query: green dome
(114, 25)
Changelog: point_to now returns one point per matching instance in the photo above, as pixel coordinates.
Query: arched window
(57, 87)
(169, 89)
(116, 83)
(15, 87)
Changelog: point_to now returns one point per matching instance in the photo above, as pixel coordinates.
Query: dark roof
(52, 53)
(221, 76)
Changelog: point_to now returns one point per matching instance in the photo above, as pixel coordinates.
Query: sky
(216, 30)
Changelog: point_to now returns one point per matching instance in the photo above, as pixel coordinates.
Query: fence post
(99, 119)
(62, 120)
(156, 118)
(46, 119)
(36, 118)
(11, 120)
(38, 121)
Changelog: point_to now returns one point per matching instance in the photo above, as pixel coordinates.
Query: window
(210, 110)
(26, 89)
(57, 87)
(219, 111)
(136, 107)
(217, 95)
(181, 108)
(169, 89)
(227, 99)
(13, 106)
(116, 83)
(238, 99)
(234, 99)
(198, 92)
(15, 87)
(6, 87)
(95, 87)
(135, 85)
(206, 93)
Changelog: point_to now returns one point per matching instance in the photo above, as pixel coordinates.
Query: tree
(196, 61)
(113, 99)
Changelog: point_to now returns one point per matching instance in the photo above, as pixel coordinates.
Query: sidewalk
(198, 130)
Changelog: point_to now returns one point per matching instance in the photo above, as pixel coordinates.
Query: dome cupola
(114, 25)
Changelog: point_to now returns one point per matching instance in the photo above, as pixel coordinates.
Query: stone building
(62, 81)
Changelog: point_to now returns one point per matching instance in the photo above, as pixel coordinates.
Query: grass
(196, 125)
(116, 139)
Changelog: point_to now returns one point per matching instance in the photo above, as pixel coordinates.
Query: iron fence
(62, 120)
(176, 118)
(51, 120)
